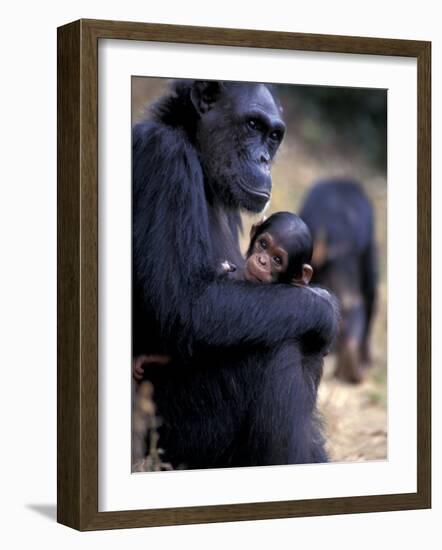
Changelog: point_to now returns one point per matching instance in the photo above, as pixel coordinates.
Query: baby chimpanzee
(280, 251)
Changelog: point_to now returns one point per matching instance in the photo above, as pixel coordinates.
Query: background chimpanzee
(341, 220)
(234, 392)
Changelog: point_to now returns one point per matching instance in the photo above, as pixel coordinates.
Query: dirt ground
(355, 416)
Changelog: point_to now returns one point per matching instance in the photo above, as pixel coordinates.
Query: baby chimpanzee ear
(255, 227)
(305, 278)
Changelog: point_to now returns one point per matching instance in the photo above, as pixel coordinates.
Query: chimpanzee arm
(174, 273)
(229, 314)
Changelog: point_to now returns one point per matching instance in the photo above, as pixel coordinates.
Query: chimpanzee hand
(141, 361)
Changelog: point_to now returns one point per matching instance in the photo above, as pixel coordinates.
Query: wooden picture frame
(77, 431)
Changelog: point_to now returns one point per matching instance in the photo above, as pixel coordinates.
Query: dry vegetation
(145, 421)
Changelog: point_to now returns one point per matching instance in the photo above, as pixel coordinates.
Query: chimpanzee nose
(264, 159)
(262, 260)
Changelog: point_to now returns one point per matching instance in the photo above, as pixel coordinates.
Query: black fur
(235, 392)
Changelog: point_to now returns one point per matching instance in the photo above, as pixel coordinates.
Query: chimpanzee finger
(138, 375)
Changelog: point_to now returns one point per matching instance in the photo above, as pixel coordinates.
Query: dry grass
(145, 424)
(355, 417)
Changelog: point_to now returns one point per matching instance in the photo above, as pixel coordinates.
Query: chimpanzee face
(239, 132)
(267, 260)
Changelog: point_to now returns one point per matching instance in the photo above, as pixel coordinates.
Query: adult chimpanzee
(341, 220)
(234, 392)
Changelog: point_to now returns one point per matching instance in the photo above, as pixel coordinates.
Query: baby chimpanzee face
(280, 251)
(267, 260)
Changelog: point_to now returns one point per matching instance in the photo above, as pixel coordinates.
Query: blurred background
(331, 133)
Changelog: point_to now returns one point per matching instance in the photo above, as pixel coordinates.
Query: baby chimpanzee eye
(263, 243)
(277, 260)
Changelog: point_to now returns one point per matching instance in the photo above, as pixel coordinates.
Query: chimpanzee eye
(254, 124)
(277, 260)
(263, 243)
(275, 136)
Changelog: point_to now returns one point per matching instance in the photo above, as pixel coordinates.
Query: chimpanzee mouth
(261, 193)
(251, 276)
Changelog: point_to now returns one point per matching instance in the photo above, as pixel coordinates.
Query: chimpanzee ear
(204, 93)
(307, 274)
(255, 227)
